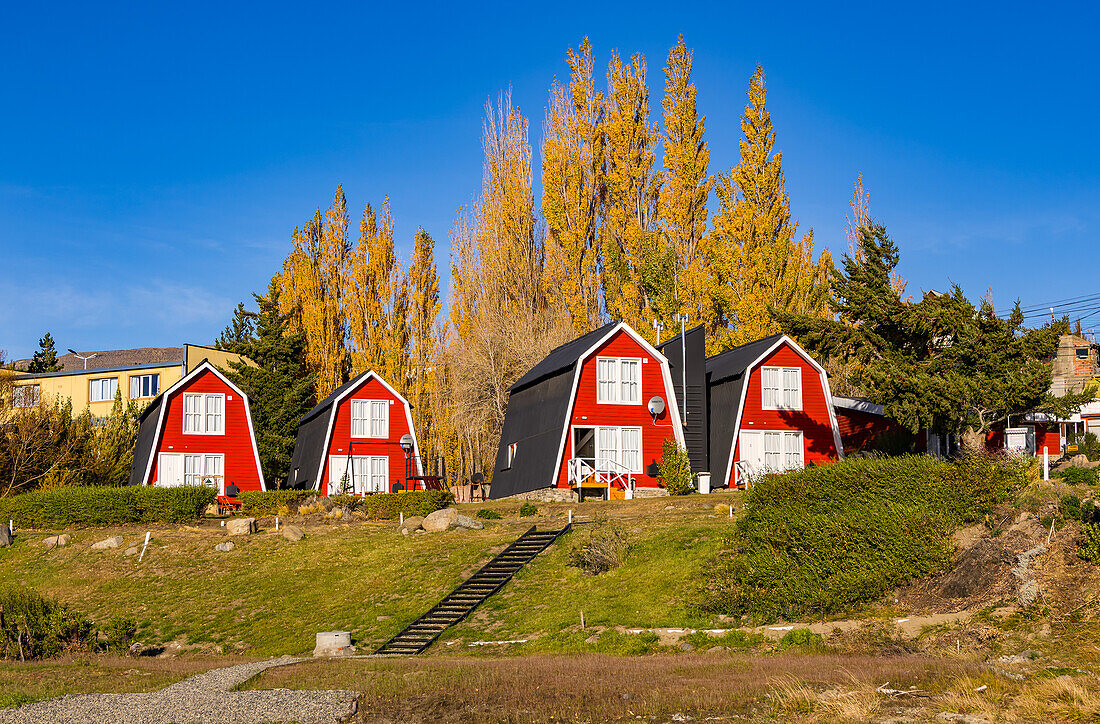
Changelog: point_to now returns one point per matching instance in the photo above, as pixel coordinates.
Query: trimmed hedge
(97, 507)
(829, 539)
(414, 502)
(268, 502)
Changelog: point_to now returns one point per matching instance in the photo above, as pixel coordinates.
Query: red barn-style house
(770, 410)
(360, 440)
(198, 432)
(589, 420)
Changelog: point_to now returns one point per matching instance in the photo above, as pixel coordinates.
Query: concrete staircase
(458, 604)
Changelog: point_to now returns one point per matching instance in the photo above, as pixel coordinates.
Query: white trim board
(745, 391)
(205, 364)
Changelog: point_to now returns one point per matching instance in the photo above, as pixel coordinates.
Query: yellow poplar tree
(682, 204)
(758, 264)
(572, 173)
(313, 286)
(424, 347)
(631, 188)
(379, 304)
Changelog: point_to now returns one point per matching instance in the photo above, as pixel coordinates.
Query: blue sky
(155, 159)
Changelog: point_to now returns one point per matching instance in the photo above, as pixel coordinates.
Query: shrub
(1080, 476)
(1090, 549)
(735, 639)
(527, 510)
(35, 627)
(486, 514)
(119, 632)
(269, 502)
(103, 506)
(802, 638)
(386, 506)
(601, 549)
(829, 539)
(674, 470)
(625, 644)
(1074, 509)
(344, 500)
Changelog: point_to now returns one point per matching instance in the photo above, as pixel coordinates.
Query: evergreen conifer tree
(45, 359)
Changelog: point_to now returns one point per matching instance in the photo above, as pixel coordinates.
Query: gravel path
(202, 699)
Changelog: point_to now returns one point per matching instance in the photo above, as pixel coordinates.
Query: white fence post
(144, 547)
(1046, 463)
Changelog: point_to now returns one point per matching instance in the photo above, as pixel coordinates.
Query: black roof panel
(562, 357)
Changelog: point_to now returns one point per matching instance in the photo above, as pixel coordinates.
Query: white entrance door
(751, 454)
(170, 470)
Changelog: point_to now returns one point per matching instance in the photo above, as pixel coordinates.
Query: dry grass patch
(1065, 698)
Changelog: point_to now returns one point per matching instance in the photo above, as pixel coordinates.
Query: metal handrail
(596, 468)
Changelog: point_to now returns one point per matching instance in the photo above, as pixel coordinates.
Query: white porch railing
(603, 473)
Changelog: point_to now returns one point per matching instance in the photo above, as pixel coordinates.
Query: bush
(35, 627)
(802, 638)
(1074, 509)
(259, 503)
(386, 506)
(828, 539)
(119, 632)
(345, 500)
(486, 514)
(674, 470)
(527, 510)
(1080, 476)
(100, 507)
(1090, 549)
(601, 549)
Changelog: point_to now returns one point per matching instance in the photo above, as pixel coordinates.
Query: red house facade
(198, 432)
(770, 410)
(360, 439)
(591, 417)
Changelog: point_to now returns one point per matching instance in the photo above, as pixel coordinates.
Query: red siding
(813, 419)
(371, 389)
(859, 430)
(235, 444)
(587, 412)
(1048, 436)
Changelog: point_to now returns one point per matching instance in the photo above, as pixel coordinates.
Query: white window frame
(613, 387)
(204, 413)
(369, 473)
(370, 419)
(97, 384)
(780, 450)
(213, 466)
(609, 447)
(512, 450)
(139, 380)
(778, 381)
(20, 394)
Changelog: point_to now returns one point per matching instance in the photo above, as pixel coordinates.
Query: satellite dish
(656, 406)
(406, 442)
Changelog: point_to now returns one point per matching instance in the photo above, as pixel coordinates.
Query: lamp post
(660, 328)
(91, 356)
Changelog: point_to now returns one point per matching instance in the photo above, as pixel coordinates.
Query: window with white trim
(619, 449)
(203, 413)
(619, 380)
(782, 388)
(782, 451)
(102, 389)
(26, 395)
(204, 469)
(370, 418)
(144, 386)
(512, 450)
(365, 474)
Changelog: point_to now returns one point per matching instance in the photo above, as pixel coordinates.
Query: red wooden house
(865, 428)
(359, 439)
(770, 409)
(198, 432)
(589, 419)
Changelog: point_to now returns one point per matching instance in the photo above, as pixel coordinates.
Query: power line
(1057, 304)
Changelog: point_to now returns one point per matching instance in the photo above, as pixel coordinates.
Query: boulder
(465, 521)
(6, 537)
(440, 520)
(113, 542)
(327, 503)
(293, 533)
(1079, 461)
(225, 547)
(412, 522)
(56, 541)
(241, 526)
(133, 551)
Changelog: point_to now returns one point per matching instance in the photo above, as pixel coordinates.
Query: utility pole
(660, 328)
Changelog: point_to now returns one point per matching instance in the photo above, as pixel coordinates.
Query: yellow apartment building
(91, 379)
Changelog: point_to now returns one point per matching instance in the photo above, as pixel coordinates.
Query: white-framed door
(170, 470)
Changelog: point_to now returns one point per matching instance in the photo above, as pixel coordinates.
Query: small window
(512, 450)
(782, 388)
(203, 414)
(102, 389)
(144, 386)
(26, 395)
(1082, 353)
